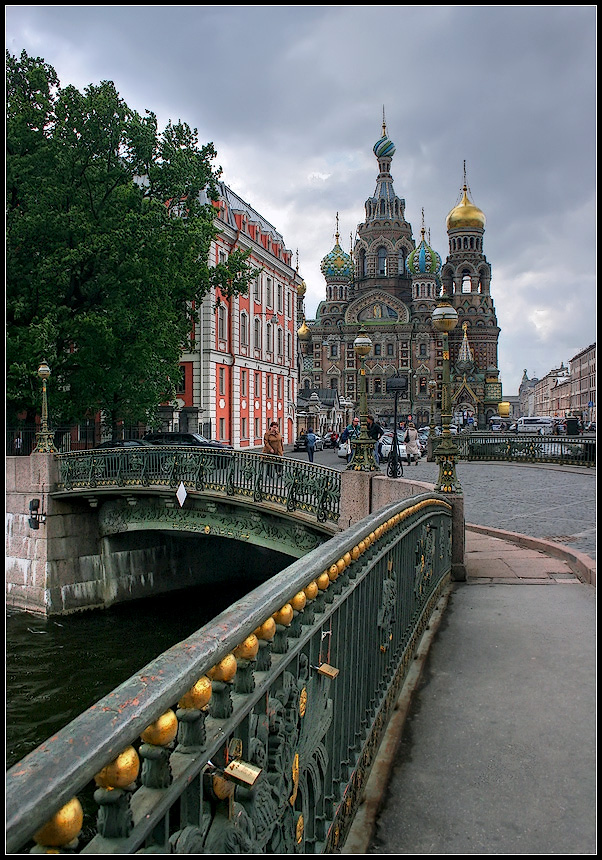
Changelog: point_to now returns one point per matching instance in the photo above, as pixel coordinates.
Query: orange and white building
(241, 372)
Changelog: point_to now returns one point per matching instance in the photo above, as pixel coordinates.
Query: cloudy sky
(292, 98)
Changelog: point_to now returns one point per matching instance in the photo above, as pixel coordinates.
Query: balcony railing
(257, 733)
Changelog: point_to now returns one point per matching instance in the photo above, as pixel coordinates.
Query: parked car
(301, 443)
(386, 444)
(123, 443)
(194, 439)
(331, 440)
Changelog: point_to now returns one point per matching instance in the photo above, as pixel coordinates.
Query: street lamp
(444, 320)
(362, 459)
(44, 442)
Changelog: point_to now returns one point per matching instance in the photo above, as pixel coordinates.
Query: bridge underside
(146, 545)
(205, 517)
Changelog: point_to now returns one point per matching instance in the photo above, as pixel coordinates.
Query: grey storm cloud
(292, 98)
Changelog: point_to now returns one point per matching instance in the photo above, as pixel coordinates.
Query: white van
(543, 425)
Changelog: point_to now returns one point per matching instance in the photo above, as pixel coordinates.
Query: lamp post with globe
(445, 319)
(44, 442)
(362, 459)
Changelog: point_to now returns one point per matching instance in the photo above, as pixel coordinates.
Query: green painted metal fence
(282, 481)
(256, 734)
(527, 448)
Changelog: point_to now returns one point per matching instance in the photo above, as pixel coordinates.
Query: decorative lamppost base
(446, 455)
(45, 444)
(363, 456)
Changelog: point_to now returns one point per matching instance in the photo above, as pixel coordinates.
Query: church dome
(465, 214)
(384, 147)
(301, 289)
(423, 260)
(337, 265)
(303, 332)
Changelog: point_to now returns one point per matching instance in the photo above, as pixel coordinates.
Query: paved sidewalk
(492, 748)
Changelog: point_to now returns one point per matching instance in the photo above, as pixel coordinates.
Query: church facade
(389, 286)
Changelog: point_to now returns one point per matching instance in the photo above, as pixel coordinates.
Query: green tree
(107, 247)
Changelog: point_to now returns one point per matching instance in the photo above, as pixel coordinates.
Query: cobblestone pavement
(556, 503)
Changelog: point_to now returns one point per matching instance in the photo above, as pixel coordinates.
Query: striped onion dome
(423, 260)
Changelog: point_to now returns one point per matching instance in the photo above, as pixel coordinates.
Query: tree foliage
(107, 246)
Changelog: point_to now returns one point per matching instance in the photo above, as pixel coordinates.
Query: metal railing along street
(527, 448)
(256, 734)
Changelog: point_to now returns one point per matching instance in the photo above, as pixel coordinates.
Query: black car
(195, 439)
(124, 443)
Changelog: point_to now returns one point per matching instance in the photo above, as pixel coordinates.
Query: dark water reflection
(56, 668)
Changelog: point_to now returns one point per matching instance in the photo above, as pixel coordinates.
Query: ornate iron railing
(293, 484)
(527, 448)
(256, 734)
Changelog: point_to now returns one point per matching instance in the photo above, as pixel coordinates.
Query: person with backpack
(352, 431)
(311, 444)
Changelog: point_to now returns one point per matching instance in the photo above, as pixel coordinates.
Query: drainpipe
(232, 353)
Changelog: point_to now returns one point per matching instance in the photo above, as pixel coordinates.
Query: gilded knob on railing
(266, 630)
(311, 590)
(163, 731)
(248, 649)
(333, 572)
(323, 581)
(198, 696)
(284, 616)
(121, 772)
(298, 601)
(225, 670)
(355, 553)
(64, 826)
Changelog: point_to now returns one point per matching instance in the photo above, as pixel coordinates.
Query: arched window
(363, 270)
(381, 263)
(257, 334)
(401, 263)
(244, 329)
(466, 283)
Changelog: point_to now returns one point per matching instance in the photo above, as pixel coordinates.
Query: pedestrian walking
(311, 444)
(273, 444)
(411, 441)
(375, 431)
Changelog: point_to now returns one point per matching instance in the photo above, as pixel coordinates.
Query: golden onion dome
(303, 332)
(301, 289)
(465, 214)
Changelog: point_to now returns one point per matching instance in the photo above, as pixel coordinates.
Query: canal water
(57, 667)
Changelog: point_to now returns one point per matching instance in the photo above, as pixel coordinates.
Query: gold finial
(422, 231)
(464, 328)
(384, 123)
(336, 235)
(465, 174)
